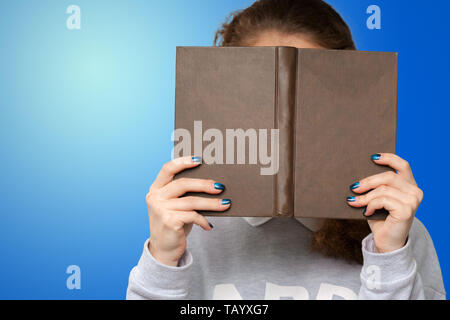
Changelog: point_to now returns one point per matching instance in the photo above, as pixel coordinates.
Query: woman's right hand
(171, 217)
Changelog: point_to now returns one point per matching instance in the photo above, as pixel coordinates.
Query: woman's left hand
(397, 193)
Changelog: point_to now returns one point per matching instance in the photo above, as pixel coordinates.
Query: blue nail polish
(196, 159)
(226, 202)
(376, 156)
(219, 186)
(354, 186)
(211, 225)
(351, 199)
(364, 212)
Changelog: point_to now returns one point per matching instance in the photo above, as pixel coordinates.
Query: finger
(390, 204)
(394, 161)
(187, 217)
(198, 203)
(381, 191)
(178, 187)
(171, 168)
(387, 178)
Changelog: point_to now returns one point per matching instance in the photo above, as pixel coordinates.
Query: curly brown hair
(320, 23)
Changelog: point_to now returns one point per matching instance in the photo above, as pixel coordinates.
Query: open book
(286, 130)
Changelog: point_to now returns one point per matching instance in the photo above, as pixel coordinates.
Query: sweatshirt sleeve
(389, 276)
(152, 280)
(410, 273)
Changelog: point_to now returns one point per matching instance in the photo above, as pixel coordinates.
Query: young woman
(259, 258)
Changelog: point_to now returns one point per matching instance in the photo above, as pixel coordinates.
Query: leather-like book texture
(228, 88)
(329, 109)
(346, 111)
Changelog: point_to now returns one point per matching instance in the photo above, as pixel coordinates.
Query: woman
(258, 258)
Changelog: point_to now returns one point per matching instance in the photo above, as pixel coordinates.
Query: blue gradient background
(86, 118)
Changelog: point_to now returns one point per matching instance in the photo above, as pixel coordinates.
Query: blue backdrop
(86, 117)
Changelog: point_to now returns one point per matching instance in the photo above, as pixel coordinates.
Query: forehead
(274, 38)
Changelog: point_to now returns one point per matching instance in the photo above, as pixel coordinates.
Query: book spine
(285, 102)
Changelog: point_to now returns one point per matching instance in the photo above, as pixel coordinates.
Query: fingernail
(219, 186)
(211, 225)
(351, 199)
(226, 202)
(196, 159)
(354, 186)
(364, 212)
(376, 156)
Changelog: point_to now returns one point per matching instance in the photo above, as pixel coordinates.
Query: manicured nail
(219, 186)
(226, 202)
(354, 186)
(351, 199)
(196, 159)
(364, 212)
(210, 225)
(376, 156)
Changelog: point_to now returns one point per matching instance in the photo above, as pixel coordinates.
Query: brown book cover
(286, 130)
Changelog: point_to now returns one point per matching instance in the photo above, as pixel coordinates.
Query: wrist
(162, 257)
(386, 248)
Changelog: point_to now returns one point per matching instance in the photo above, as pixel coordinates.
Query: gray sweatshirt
(239, 259)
